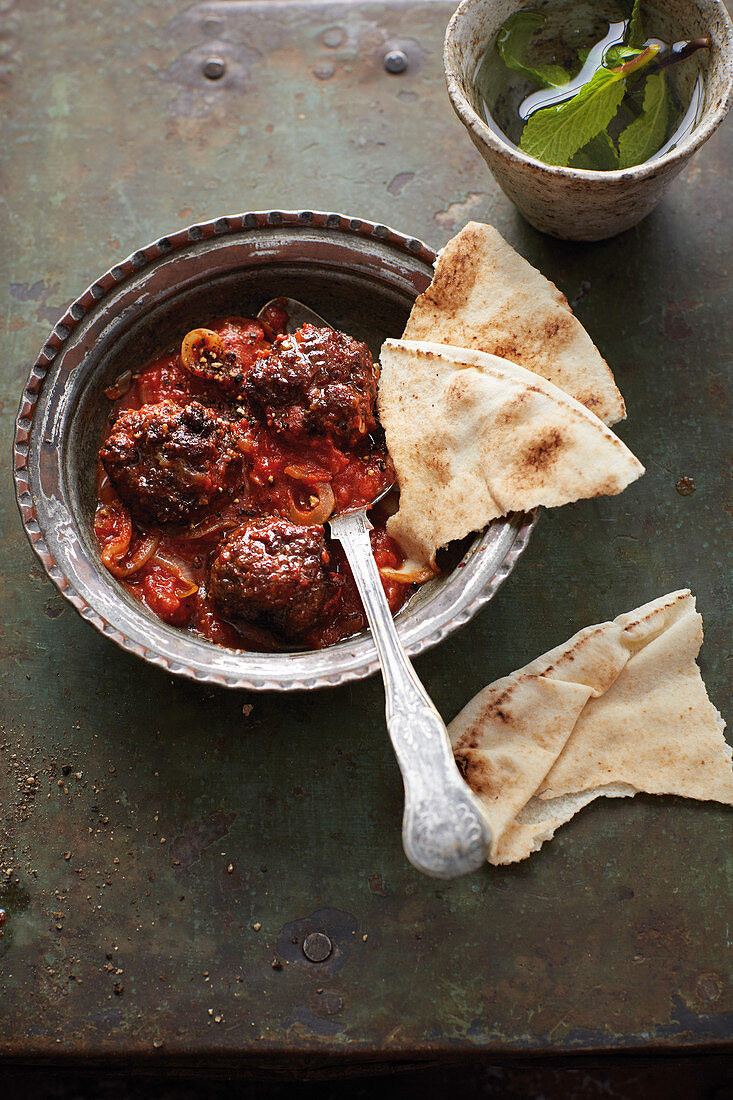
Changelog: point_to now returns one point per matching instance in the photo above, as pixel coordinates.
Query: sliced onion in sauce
(410, 572)
(192, 474)
(210, 527)
(179, 568)
(120, 386)
(226, 518)
(198, 344)
(142, 554)
(317, 512)
(115, 548)
(299, 473)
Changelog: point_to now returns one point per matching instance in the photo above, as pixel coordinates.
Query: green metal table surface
(162, 844)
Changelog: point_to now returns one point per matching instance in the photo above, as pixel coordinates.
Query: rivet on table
(317, 947)
(395, 61)
(333, 38)
(212, 26)
(323, 72)
(214, 68)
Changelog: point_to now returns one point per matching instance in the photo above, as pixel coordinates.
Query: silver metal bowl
(361, 276)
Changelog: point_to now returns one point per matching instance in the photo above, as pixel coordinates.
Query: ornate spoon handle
(444, 831)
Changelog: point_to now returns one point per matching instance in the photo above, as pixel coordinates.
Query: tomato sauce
(166, 566)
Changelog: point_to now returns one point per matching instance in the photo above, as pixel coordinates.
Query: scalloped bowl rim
(358, 655)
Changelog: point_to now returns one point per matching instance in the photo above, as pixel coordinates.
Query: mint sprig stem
(686, 50)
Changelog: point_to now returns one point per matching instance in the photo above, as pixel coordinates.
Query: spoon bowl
(298, 313)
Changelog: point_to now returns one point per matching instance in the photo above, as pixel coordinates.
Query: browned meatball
(316, 381)
(272, 572)
(166, 462)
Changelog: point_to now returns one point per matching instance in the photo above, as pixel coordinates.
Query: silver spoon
(444, 831)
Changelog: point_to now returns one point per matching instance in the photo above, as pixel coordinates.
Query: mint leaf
(640, 59)
(635, 30)
(512, 42)
(555, 134)
(599, 155)
(645, 135)
(618, 55)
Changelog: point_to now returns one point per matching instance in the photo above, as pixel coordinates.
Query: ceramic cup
(573, 203)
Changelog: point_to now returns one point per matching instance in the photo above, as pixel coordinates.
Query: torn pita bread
(484, 295)
(619, 708)
(474, 437)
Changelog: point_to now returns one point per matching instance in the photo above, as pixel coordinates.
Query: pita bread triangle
(619, 708)
(474, 437)
(485, 296)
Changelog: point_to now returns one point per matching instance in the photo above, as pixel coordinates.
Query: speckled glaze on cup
(573, 203)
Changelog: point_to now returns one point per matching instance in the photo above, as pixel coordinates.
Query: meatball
(316, 381)
(273, 573)
(167, 462)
